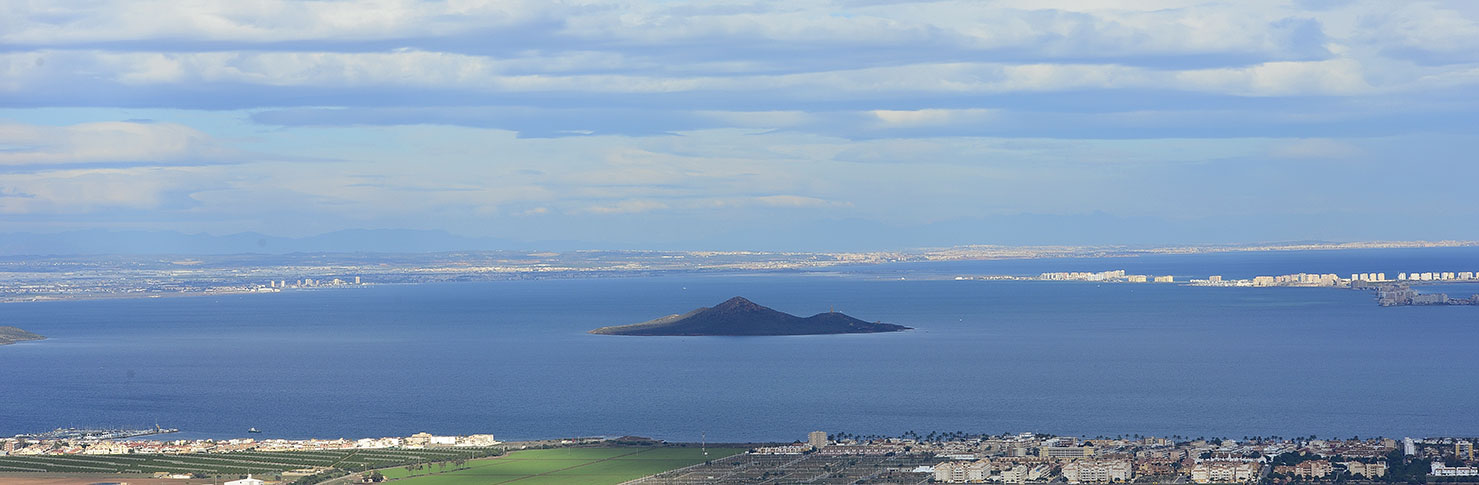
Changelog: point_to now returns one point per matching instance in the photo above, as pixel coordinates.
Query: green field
(576, 466)
(237, 463)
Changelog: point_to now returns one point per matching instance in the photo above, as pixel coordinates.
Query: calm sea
(513, 358)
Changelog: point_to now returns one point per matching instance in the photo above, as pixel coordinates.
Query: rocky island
(741, 317)
(10, 335)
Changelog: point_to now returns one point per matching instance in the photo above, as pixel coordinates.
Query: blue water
(512, 358)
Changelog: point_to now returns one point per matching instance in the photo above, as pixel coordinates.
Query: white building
(962, 471)
(1224, 472)
(1065, 451)
(1086, 471)
(245, 481)
(1023, 474)
(1438, 469)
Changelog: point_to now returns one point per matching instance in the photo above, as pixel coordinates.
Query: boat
(253, 430)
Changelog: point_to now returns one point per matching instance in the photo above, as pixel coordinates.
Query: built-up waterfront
(1395, 291)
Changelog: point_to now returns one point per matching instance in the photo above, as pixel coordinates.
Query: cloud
(88, 190)
(145, 143)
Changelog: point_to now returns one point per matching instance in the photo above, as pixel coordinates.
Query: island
(10, 335)
(741, 317)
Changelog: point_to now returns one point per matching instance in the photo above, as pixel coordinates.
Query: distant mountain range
(741, 317)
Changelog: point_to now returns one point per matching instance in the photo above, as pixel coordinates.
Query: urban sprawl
(1389, 292)
(953, 457)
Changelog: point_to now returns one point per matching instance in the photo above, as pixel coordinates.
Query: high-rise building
(817, 439)
(1464, 450)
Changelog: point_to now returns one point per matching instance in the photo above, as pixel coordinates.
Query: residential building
(1093, 471)
(1438, 469)
(1224, 472)
(783, 450)
(817, 439)
(1464, 450)
(1313, 468)
(1368, 470)
(962, 471)
(1065, 451)
(1023, 474)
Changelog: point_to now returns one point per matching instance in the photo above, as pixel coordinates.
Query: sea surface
(512, 358)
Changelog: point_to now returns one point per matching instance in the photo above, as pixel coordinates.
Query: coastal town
(942, 457)
(1394, 291)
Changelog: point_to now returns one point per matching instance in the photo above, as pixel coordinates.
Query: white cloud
(1338, 77)
(87, 190)
(439, 70)
(114, 141)
(929, 117)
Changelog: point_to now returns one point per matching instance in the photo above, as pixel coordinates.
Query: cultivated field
(573, 466)
(238, 463)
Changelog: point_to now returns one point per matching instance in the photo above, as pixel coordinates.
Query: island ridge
(741, 317)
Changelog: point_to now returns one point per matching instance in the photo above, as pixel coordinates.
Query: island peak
(739, 316)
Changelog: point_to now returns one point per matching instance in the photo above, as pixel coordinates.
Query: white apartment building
(1224, 472)
(962, 471)
(1088, 471)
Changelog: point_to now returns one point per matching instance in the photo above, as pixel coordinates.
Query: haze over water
(513, 358)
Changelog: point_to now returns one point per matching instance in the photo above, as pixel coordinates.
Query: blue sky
(739, 124)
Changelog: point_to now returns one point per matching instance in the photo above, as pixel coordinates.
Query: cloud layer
(646, 122)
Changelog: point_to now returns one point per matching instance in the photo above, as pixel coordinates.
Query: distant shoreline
(31, 280)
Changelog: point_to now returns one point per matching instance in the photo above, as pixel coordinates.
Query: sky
(808, 125)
